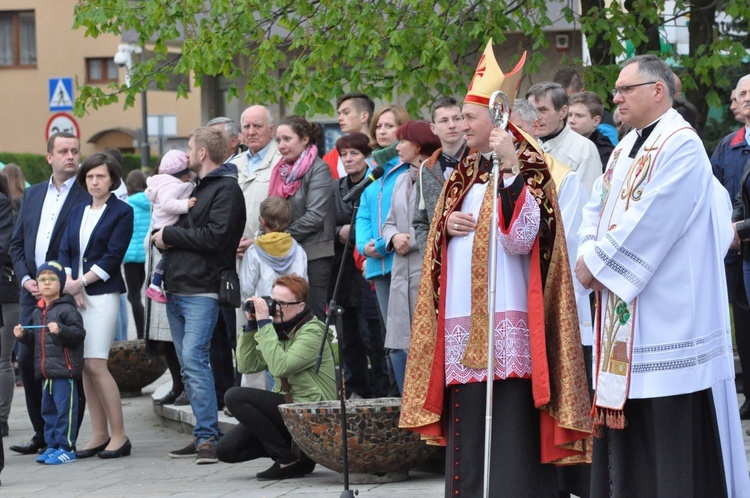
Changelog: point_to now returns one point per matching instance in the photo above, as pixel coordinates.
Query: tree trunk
(600, 52)
(701, 30)
(651, 30)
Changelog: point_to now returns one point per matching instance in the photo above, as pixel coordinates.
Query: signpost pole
(145, 147)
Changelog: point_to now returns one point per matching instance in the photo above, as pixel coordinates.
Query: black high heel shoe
(123, 450)
(89, 452)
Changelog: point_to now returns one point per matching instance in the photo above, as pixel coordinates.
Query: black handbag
(229, 291)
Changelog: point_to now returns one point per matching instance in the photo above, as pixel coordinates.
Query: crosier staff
(499, 110)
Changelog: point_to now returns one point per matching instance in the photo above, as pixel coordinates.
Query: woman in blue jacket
(376, 202)
(92, 250)
(134, 264)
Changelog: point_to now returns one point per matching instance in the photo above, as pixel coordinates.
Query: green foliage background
(36, 168)
(311, 52)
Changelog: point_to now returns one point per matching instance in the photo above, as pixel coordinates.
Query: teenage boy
(585, 111)
(354, 114)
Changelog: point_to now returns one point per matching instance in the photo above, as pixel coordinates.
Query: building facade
(43, 59)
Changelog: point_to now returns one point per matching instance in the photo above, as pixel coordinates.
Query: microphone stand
(337, 311)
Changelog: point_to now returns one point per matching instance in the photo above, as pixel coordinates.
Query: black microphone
(357, 190)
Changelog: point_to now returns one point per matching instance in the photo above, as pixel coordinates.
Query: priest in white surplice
(653, 240)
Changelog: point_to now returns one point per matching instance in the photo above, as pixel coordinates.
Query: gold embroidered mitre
(489, 78)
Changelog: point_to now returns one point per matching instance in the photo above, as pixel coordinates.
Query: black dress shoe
(123, 450)
(30, 448)
(182, 399)
(744, 411)
(168, 399)
(89, 452)
(277, 472)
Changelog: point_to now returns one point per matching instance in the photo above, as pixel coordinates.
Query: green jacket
(294, 359)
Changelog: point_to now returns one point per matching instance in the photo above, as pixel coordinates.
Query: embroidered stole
(615, 319)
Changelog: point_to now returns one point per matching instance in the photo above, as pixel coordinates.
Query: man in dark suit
(36, 239)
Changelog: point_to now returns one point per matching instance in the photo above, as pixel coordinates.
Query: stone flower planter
(378, 450)
(133, 368)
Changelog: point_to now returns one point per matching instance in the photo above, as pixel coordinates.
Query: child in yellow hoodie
(274, 253)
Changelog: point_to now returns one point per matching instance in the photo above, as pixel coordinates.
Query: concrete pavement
(150, 472)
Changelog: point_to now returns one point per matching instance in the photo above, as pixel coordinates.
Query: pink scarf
(286, 177)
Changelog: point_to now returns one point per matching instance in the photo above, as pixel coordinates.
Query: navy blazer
(106, 248)
(23, 243)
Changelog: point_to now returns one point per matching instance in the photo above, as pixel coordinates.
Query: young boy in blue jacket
(58, 334)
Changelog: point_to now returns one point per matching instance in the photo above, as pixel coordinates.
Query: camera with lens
(250, 305)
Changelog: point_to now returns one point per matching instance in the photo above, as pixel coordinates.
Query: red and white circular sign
(62, 121)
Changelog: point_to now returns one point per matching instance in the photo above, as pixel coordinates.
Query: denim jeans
(398, 361)
(192, 320)
(746, 275)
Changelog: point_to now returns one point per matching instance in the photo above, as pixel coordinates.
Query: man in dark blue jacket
(729, 162)
(36, 238)
(201, 245)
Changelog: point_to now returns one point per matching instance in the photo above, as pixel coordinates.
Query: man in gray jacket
(446, 124)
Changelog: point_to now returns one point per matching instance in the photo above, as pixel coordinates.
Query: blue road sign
(60, 94)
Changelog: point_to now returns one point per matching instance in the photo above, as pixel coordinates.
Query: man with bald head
(654, 236)
(254, 166)
(728, 162)
(734, 106)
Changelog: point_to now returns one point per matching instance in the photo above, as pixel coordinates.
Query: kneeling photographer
(283, 336)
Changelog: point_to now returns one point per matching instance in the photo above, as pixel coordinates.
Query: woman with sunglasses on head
(282, 336)
(305, 179)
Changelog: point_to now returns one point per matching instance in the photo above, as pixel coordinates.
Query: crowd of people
(612, 372)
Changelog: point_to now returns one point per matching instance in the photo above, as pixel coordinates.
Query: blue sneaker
(60, 457)
(47, 453)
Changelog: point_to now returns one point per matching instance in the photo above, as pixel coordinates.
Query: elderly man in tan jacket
(255, 165)
(254, 168)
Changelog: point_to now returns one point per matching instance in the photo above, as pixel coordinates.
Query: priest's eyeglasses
(624, 90)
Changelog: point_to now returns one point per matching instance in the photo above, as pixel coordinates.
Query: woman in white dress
(92, 250)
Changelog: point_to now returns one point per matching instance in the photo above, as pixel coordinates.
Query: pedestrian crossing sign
(61, 94)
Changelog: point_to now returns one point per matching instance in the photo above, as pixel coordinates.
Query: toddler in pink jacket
(169, 192)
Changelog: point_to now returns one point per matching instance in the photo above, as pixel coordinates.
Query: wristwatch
(83, 281)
